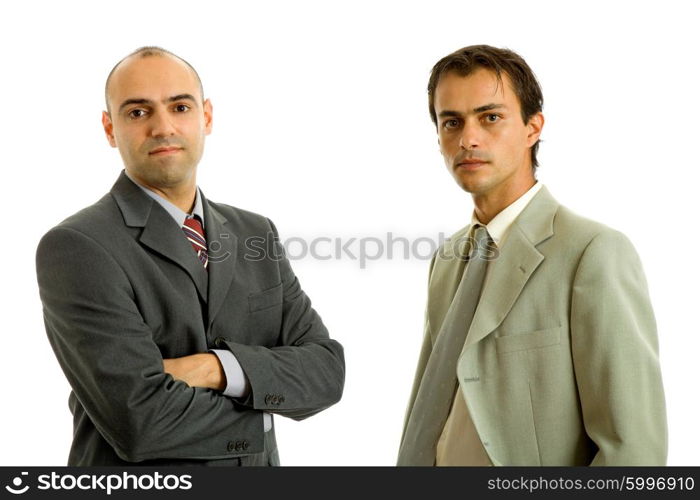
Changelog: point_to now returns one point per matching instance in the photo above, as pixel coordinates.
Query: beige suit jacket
(560, 366)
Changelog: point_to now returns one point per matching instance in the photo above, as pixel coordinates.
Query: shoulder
(233, 213)
(583, 232)
(84, 243)
(449, 256)
(461, 233)
(99, 221)
(244, 222)
(453, 245)
(603, 254)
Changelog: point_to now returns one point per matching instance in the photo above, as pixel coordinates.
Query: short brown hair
(464, 61)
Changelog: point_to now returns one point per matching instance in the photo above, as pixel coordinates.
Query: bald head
(146, 52)
(158, 121)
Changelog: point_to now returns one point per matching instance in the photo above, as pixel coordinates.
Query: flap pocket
(265, 299)
(524, 341)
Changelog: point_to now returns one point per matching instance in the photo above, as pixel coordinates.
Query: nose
(470, 137)
(161, 125)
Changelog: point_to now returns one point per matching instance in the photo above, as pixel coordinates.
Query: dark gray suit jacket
(122, 289)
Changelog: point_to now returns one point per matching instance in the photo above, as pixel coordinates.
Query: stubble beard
(166, 173)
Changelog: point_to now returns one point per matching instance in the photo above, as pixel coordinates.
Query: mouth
(470, 164)
(165, 151)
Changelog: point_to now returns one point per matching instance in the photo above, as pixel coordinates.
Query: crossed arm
(120, 378)
(197, 370)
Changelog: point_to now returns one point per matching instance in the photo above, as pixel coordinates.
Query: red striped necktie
(195, 234)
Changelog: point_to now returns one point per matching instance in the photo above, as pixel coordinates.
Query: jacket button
(281, 399)
(267, 399)
(275, 399)
(230, 446)
(219, 342)
(245, 445)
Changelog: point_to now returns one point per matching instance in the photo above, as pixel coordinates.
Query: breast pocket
(525, 341)
(266, 299)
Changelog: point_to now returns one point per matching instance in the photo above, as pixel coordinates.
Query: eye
(492, 118)
(181, 108)
(450, 124)
(137, 113)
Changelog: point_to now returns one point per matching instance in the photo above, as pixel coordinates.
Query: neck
(183, 198)
(182, 195)
(489, 205)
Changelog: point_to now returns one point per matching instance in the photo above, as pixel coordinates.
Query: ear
(534, 126)
(208, 116)
(109, 129)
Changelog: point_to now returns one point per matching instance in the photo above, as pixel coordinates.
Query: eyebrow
(480, 109)
(179, 97)
(488, 107)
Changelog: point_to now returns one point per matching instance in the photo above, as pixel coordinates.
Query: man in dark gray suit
(177, 341)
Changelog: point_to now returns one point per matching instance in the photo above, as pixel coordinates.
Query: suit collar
(135, 205)
(499, 226)
(536, 221)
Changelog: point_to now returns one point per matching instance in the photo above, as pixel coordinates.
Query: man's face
(157, 120)
(481, 133)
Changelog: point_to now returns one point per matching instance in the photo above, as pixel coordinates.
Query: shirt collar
(499, 226)
(175, 212)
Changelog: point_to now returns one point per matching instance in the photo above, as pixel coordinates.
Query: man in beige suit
(540, 342)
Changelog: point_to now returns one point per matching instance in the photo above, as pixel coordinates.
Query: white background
(321, 123)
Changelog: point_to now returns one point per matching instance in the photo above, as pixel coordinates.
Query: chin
(163, 176)
(471, 184)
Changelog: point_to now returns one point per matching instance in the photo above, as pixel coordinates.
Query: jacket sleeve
(115, 369)
(615, 355)
(305, 372)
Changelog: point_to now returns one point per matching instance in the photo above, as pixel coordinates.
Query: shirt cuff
(237, 384)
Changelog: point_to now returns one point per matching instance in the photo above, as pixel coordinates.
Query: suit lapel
(517, 260)
(507, 276)
(223, 246)
(160, 232)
